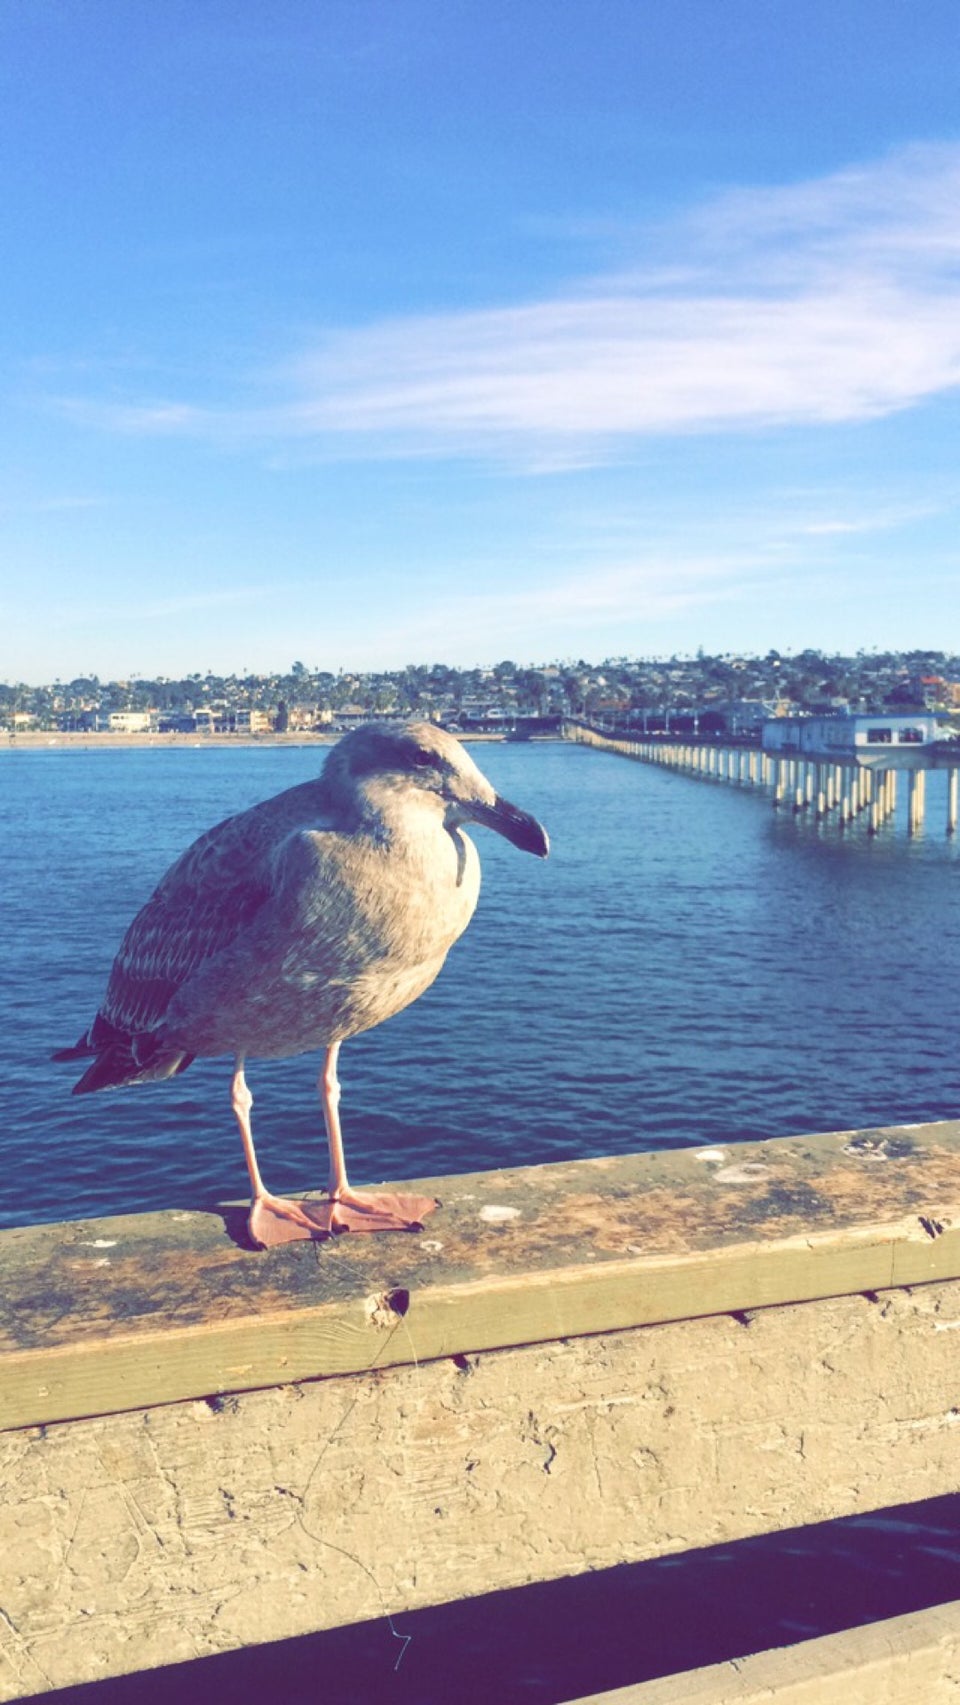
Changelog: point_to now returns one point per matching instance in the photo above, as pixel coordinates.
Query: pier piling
(916, 799)
(815, 784)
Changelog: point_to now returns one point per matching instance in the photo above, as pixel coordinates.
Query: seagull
(298, 923)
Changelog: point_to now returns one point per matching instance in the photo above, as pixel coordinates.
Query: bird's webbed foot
(378, 1210)
(274, 1220)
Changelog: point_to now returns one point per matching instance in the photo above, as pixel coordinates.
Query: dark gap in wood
(549, 1643)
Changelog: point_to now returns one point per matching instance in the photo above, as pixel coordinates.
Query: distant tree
(531, 690)
(905, 693)
(84, 687)
(573, 693)
(281, 721)
(834, 682)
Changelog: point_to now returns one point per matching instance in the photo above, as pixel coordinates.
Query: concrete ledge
(907, 1660)
(106, 1315)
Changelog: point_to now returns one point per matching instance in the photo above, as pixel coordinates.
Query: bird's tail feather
(121, 1058)
(101, 1035)
(132, 1062)
(118, 1068)
(80, 1051)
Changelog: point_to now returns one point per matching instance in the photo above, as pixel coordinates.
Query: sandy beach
(40, 741)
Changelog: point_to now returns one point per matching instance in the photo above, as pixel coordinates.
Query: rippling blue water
(687, 967)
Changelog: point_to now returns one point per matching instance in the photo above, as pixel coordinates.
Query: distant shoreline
(79, 742)
(46, 742)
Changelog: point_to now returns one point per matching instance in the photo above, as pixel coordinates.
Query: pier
(824, 779)
(205, 1448)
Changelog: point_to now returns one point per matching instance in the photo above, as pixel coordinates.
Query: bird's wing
(211, 896)
(293, 967)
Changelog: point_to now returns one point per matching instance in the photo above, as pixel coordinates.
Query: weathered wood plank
(904, 1660)
(134, 1540)
(106, 1315)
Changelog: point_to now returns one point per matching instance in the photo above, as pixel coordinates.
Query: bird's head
(382, 760)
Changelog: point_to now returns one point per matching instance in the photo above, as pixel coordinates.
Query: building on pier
(904, 742)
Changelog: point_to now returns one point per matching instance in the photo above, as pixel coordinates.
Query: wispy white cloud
(808, 521)
(15, 507)
(836, 300)
(146, 419)
(898, 213)
(557, 614)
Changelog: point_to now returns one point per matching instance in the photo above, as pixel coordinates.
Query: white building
(878, 742)
(133, 721)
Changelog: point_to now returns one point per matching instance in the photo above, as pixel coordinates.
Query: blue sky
(366, 332)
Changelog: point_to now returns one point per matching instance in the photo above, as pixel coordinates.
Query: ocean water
(688, 967)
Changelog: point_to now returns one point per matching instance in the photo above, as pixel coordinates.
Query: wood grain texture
(134, 1540)
(106, 1315)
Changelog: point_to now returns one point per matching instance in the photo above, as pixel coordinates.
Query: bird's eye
(421, 758)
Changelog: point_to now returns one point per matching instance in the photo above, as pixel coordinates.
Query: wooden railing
(575, 1366)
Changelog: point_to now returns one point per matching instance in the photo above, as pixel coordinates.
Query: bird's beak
(508, 820)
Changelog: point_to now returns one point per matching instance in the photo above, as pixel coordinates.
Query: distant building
(249, 722)
(934, 690)
(354, 715)
(483, 717)
(739, 716)
(881, 742)
(133, 722)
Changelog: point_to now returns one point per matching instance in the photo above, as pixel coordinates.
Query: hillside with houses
(723, 694)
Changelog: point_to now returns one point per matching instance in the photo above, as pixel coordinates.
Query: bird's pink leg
(272, 1218)
(275, 1219)
(360, 1210)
